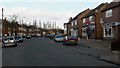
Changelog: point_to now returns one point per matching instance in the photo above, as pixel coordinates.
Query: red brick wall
(114, 18)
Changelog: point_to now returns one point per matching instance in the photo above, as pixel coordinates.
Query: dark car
(18, 38)
(47, 36)
(70, 40)
(28, 36)
(52, 36)
(9, 41)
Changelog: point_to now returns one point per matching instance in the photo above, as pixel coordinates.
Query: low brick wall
(115, 45)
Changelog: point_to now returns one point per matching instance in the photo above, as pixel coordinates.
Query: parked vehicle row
(9, 41)
(66, 40)
(13, 40)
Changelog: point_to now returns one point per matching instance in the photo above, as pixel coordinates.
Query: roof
(80, 14)
(65, 23)
(92, 12)
(112, 5)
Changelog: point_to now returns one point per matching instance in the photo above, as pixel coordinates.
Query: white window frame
(109, 13)
(65, 26)
(90, 18)
(72, 23)
(75, 22)
(84, 20)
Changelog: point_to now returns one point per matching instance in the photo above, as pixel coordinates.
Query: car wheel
(3, 46)
(63, 43)
(15, 45)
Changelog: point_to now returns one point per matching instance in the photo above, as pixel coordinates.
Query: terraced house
(92, 22)
(76, 23)
(111, 20)
(67, 27)
(73, 27)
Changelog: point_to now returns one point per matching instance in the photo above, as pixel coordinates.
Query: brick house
(111, 18)
(92, 22)
(69, 27)
(65, 29)
(76, 23)
(22, 31)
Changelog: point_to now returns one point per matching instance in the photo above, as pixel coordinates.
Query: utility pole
(2, 23)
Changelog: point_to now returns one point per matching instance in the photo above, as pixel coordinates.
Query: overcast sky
(57, 11)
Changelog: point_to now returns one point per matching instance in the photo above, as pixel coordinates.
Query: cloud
(29, 15)
(54, 0)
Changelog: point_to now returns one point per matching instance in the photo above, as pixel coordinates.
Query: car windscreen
(59, 36)
(73, 37)
(17, 37)
(9, 38)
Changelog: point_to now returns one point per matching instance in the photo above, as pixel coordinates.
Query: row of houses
(100, 22)
(20, 30)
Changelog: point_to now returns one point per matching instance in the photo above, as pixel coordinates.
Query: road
(45, 52)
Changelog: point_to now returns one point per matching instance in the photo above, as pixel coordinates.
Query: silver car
(58, 38)
(9, 41)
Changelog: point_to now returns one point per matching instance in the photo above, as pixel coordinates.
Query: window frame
(109, 13)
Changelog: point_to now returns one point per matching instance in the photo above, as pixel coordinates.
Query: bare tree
(14, 24)
(13, 18)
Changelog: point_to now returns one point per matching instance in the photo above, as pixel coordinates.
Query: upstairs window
(109, 13)
(65, 26)
(75, 22)
(91, 18)
(84, 20)
(72, 23)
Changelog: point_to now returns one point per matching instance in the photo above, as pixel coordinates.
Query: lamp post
(2, 23)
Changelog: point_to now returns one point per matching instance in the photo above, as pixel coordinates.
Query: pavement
(101, 49)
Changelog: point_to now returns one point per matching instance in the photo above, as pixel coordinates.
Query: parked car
(58, 38)
(18, 38)
(9, 41)
(52, 36)
(70, 40)
(47, 35)
(23, 36)
(28, 36)
(39, 35)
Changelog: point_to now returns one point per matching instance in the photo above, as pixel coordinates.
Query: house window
(75, 22)
(84, 20)
(91, 18)
(109, 13)
(65, 26)
(72, 23)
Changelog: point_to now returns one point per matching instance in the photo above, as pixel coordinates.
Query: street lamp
(2, 22)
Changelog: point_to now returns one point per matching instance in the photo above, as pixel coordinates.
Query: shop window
(108, 32)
